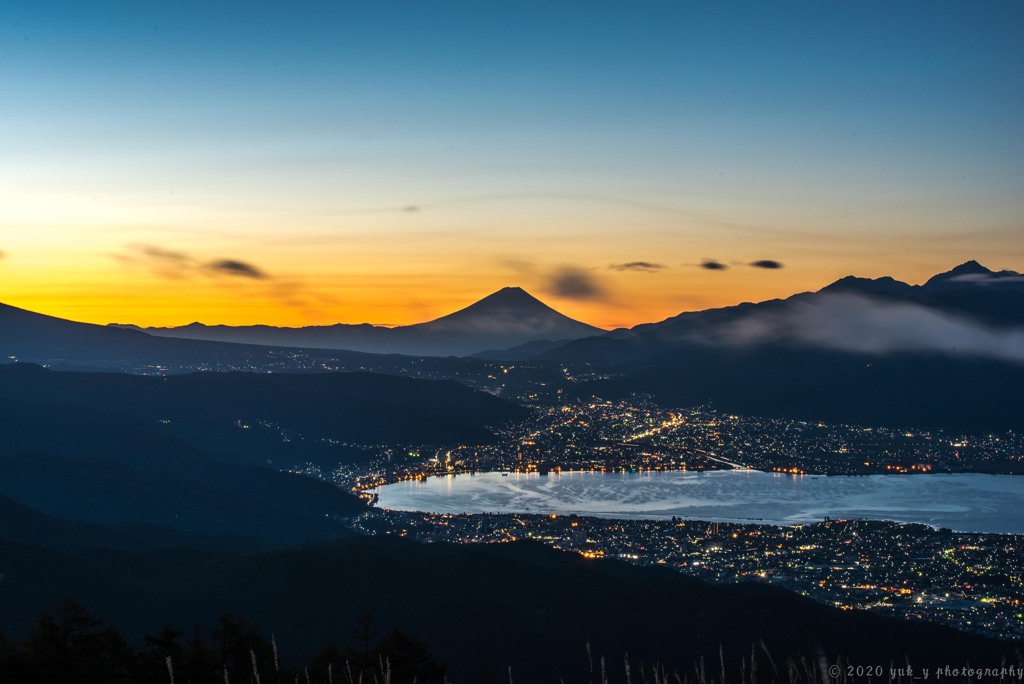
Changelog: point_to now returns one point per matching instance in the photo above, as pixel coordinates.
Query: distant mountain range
(948, 353)
(857, 314)
(38, 338)
(962, 311)
(507, 318)
(872, 351)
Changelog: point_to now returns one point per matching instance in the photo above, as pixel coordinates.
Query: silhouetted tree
(7, 655)
(236, 640)
(330, 659)
(360, 651)
(199, 661)
(486, 676)
(366, 657)
(72, 645)
(151, 662)
(409, 659)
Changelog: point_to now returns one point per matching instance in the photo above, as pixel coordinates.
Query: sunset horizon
(402, 160)
(565, 305)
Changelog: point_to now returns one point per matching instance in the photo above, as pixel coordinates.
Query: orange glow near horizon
(97, 261)
(120, 286)
(250, 164)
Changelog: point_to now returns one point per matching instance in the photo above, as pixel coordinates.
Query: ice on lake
(963, 502)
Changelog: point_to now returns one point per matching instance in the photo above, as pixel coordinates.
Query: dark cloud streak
(570, 282)
(163, 254)
(233, 267)
(175, 265)
(644, 266)
(713, 265)
(770, 264)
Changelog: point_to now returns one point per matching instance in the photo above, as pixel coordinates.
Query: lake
(963, 502)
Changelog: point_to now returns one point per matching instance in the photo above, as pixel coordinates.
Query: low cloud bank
(855, 323)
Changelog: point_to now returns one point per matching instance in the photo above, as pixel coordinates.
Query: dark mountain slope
(948, 353)
(30, 336)
(899, 390)
(209, 409)
(969, 292)
(518, 605)
(36, 338)
(23, 525)
(184, 451)
(84, 465)
(993, 298)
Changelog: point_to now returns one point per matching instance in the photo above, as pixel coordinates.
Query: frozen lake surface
(962, 502)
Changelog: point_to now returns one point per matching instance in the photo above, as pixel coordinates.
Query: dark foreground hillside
(343, 407)
(203, 454)
(113, 469)
(479, 609)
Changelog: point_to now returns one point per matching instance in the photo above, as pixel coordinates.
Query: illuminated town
(974, 582)
(637, 435)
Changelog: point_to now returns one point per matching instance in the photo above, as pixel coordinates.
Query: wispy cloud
(989, 278)
(162, 254)
(580, 198)
(522, 266)
(162, 262)
(644, 266)
(770, 264)
(178, 265)
(174, 264)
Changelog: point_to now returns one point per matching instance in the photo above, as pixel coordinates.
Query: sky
(390, 161)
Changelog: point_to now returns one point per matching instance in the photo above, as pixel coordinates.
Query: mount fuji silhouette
(507, 318)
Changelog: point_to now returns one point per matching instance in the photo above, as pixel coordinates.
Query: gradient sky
(389, 161)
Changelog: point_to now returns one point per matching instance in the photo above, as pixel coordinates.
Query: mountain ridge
(509, 324)
(968, 290)
(860, 351)
(507, 318)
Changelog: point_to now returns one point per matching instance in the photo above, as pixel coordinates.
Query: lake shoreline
(983, 503)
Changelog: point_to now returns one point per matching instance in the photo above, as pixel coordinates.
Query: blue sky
(855, 129)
